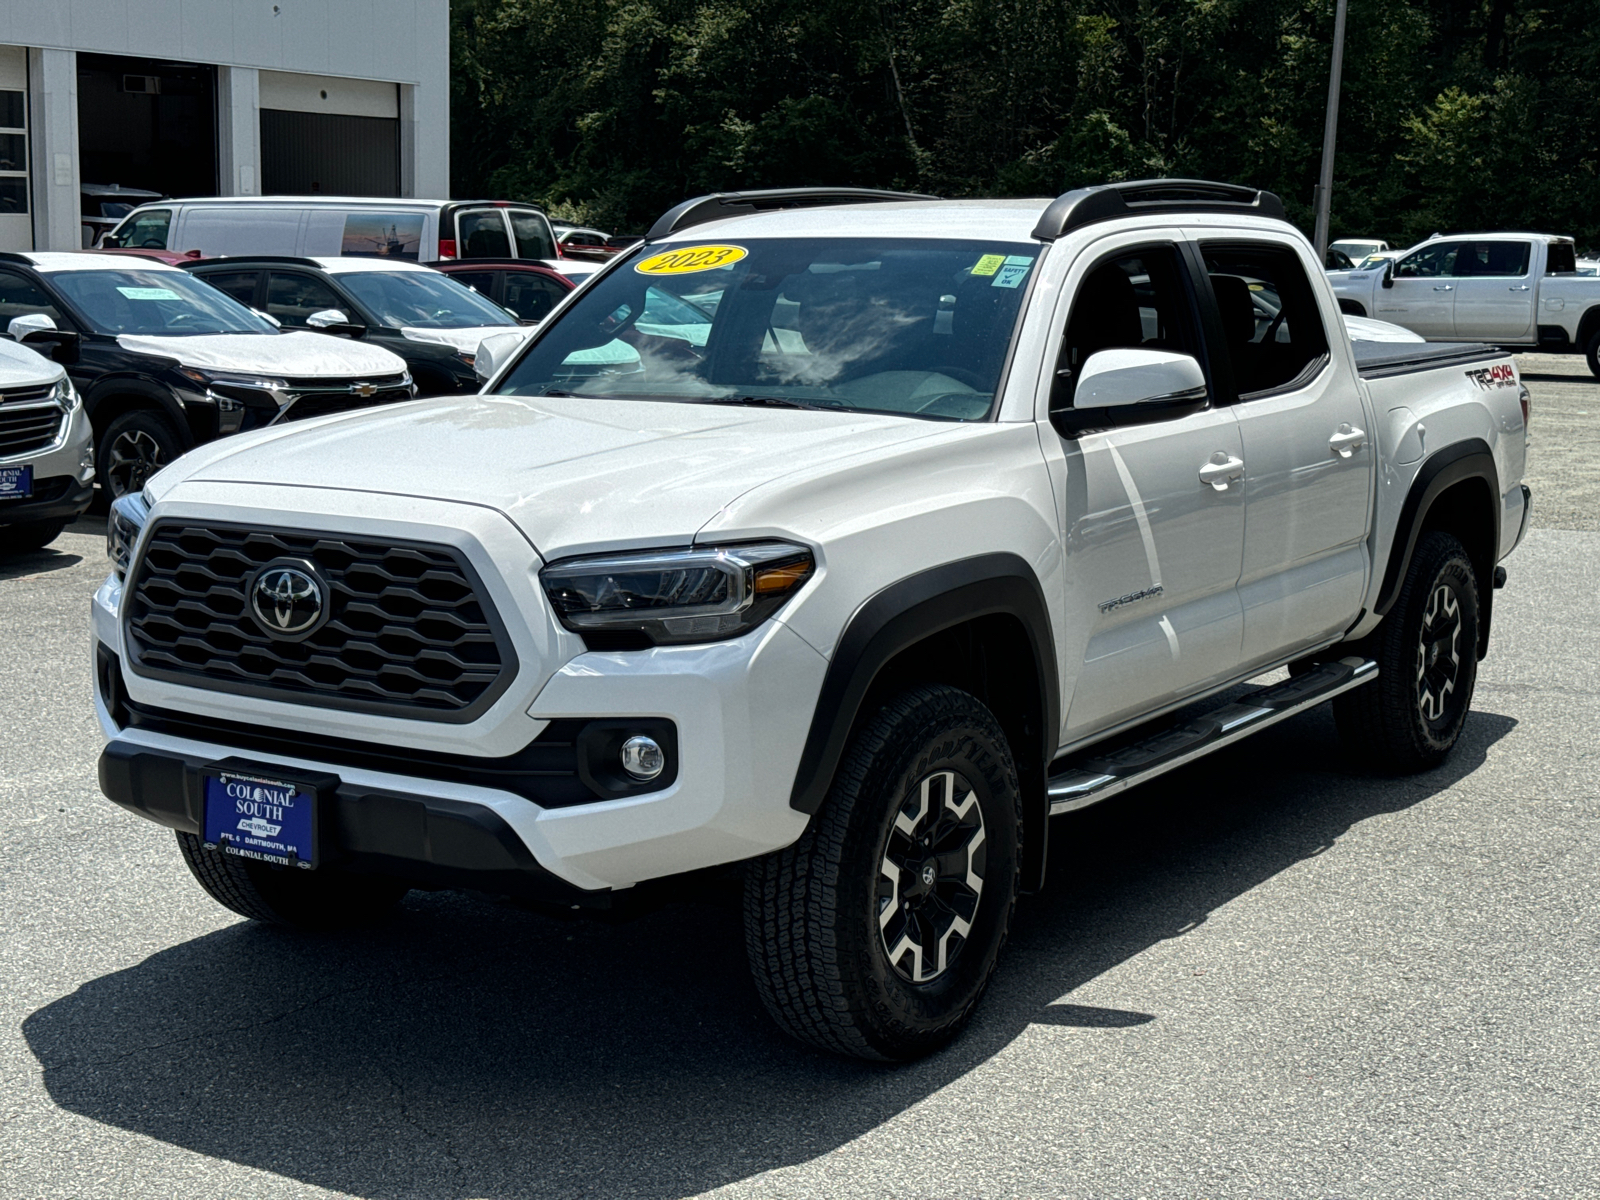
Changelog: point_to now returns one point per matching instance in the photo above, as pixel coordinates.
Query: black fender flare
(1469, 459)
(157, 397)
(906, 612)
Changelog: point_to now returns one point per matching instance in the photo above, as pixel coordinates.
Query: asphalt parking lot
(1267, 976)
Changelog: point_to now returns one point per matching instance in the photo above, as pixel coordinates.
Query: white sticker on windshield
(1013, 271)
(149, 293)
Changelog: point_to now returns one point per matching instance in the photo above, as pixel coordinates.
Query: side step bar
(1095, 776)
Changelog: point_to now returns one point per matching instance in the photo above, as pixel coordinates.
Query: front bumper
(739, 711)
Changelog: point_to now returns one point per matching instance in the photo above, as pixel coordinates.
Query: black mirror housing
(63, 344)
(1388, 274)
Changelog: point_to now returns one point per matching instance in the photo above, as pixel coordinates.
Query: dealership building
(105, 104)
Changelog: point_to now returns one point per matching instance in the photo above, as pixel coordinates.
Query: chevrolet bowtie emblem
(364, 389)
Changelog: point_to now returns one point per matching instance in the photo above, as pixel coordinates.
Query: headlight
(675, 596)
(237, 379)
(128, 515)
(66, 395)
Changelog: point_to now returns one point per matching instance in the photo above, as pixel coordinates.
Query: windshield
(919, 327)
(422, 300)
(155, 302)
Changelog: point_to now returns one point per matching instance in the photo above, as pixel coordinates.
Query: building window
(13, 152)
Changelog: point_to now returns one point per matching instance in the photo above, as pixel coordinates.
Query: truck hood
(575, 475)
(295, 355)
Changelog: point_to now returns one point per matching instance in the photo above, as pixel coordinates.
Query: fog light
(642, 757)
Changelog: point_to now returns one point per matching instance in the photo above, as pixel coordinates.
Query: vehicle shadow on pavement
(469, 1049)
(36, 562)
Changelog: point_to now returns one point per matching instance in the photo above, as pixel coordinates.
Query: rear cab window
(481, 233)
(1270, 318)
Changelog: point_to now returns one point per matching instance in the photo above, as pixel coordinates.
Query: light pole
(1330, 133)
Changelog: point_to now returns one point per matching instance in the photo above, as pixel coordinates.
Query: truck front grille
(408, 630)
(317, 398)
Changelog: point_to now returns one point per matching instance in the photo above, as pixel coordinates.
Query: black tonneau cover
(1376, 360)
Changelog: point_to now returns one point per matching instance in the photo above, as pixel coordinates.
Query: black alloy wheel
(876, 933)
(1411, 716)
(134, 447)
(932, 877)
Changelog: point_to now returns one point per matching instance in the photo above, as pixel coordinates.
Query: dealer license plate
(262, 818)
(16, 483)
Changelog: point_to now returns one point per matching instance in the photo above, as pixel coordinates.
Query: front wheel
(876, 933)
(134, 447)
(321, 899)
(1410, 717)
(1592, 353)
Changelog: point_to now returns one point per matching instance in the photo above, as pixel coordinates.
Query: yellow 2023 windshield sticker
(690, 259)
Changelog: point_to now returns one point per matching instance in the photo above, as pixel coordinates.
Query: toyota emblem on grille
(287, 599)
(364, 389)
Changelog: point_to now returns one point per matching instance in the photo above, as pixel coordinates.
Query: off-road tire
(142, 431)
(29, 536)
(816, 943)
(1384, 723)
(313, 900)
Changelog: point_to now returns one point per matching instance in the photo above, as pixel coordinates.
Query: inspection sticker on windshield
(149, 293)
(988, 264)
(1013, 271)
(690, 259)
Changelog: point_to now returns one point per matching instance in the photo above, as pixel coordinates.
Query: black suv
(166, 362)
(427, 318)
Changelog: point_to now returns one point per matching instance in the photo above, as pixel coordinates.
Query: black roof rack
(1085, 206)
(734, 204)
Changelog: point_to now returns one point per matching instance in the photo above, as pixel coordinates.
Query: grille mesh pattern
(407, 630)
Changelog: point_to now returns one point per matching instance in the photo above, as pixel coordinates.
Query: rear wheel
(876, 933)
(321, 899)
(134, 447)
(1592, 352)
(29, 536)
(1410, 717)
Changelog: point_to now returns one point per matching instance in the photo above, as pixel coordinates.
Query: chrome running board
(1093, 775)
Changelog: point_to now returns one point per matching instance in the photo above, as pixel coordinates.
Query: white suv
(846, 536)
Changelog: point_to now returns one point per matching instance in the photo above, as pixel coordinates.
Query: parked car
(1355, 249)
(431, 321)
(104, 205)
(46, 453)
(167, 362)
(1513, 289)
(314, 226)
(525, 290)
(929, 540)
(577, 241)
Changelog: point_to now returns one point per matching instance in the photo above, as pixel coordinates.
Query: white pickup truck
(1510, 289)
(841, 537)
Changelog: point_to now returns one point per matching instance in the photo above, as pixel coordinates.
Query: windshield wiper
(769, 402)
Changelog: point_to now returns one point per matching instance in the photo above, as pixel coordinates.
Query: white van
(319, 226)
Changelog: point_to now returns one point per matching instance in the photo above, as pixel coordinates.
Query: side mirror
(20, 327)
(1388, 273)
(334, 321)
(1118, 378)
(494, 352)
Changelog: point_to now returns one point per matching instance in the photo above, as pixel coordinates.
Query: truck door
(1494, 290)
(1308, 456)
(1423, 298)
(1153, 549)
